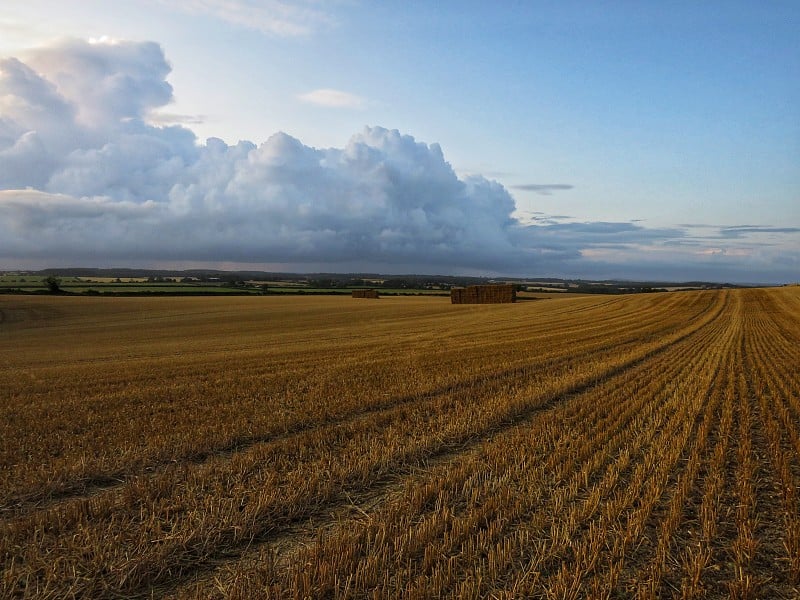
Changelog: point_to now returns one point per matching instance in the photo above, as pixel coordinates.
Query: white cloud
(333, 99)
(87, 178)
(75, 130)
(105, 83)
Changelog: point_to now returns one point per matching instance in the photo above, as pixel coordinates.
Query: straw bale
(484, 294)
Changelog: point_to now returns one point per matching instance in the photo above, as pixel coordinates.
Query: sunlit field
(640, 446)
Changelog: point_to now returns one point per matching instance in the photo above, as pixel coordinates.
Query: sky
(619, 139)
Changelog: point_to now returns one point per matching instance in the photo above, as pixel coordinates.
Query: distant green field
(174, 288)
(348, 291)
(31, 280)
(33, 283)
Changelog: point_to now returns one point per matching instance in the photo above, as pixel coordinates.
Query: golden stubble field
(598, 447)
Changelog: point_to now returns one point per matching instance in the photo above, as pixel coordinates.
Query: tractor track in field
(655, 451)
(772, 524)
(292, 534)
(23, 504)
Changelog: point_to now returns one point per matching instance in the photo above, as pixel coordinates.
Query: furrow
(627, 382)
(34, 500)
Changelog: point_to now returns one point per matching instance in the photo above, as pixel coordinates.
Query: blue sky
(621, 139)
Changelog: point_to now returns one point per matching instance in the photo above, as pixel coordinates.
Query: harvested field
(640, 446)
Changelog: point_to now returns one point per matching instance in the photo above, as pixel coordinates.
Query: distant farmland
(288, 447)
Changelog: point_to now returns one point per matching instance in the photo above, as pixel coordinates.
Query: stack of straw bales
(365, 294)
(484, 294)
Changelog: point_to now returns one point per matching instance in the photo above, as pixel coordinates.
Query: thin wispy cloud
(290, 18)
(739, 231)
(330, 98)
(706, 231)
(537, 217)
(544, 189)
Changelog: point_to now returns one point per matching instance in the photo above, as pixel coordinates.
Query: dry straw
(484, 294)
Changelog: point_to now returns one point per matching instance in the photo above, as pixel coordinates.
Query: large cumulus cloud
(72, 122)
(87, 178)
(83, 174)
